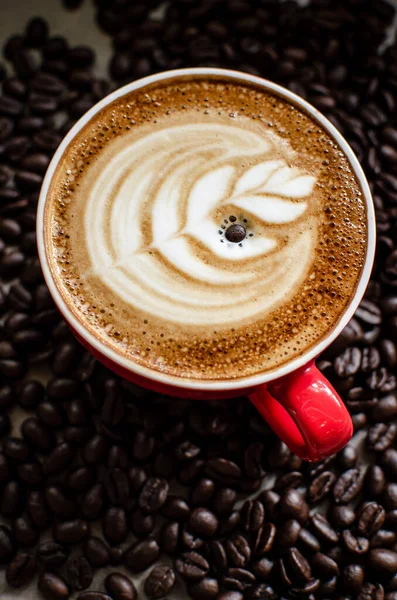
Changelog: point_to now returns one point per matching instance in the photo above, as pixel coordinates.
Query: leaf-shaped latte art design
(153, 217)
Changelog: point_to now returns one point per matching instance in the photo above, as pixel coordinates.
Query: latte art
(205, 228)
(157, 246)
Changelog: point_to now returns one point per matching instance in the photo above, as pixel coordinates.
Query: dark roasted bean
(192, 566)
(141, 555)
(382, 560)
(79, 574)
(253, 514)
(176, 508)
(21, 570)
(323, 528)
(142, 524)
(238, 550)
(7, 545)
(153, 494)
(70, 532)
(53, 587)
(159, 582)
(51, 555)
(355, 544)
(371, 518)
(203, 522)
(97, 552)
(114, 525)
(170, 537)
(348, 486)
(120, 587)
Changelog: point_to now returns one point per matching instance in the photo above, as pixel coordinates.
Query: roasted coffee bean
(160, 582)
(192, 566)
(308, 541)
(95, 450)
(70, 532)
(97, 552)
(293, 505)
(238, 579)
(217, 555)
(170, 537)
(325, 565)
(253, 514)
(355, 544)
(264, 539)
(7, 545)
(382, 560)
(114, 525)
(371, 518)
(223, 470)
(341, 516)
(4, 468)
(51, 555)
(12, 499)
(370, 591)
(206, 589)
(30, 394)
(381, 436)
(141, 555)
(288, 533)
(59, 458)
(38, 435)
(21, 570)
(348, 363)
(62, 504)
(176, 508)
(153, 494)
(231, 595)
(238, 550)
(297, 565)
(352, 578)
(203, 522)
(190, 540)
(383, 539)
(223, 501)
(79, 574)
(53, 587)
(389, 463)
(16, 449)
(37, 509)
(262, 568)
(385, 409)
(142, 524)
(348, 486)
(116, 486)
(202, 491)
(80, 479)
(120, 587)
(323, 529)
(92, 503)
(321, 486)
(24, 532)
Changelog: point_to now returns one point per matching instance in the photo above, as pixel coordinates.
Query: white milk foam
(154, 216)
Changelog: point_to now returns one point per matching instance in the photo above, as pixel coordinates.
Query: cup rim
(190, 383)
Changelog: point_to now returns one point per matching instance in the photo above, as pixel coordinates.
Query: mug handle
(306, 413)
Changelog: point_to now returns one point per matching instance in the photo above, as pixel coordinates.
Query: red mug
(295, 399)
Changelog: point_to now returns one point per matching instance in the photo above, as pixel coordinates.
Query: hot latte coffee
(205, 228)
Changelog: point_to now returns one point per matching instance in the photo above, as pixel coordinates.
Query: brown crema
(136, 223)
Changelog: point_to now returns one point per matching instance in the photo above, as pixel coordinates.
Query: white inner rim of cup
(198, 384)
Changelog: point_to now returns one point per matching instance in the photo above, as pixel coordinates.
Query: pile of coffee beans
(101, 474)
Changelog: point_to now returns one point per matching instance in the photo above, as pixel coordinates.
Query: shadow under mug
(295, 399)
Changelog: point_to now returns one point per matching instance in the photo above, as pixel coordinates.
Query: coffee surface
(206, 228)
